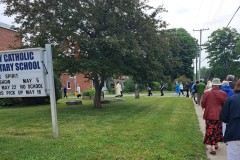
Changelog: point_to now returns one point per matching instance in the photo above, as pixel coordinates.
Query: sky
(191, 15)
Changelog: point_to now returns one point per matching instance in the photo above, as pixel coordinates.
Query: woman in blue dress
(177, 87)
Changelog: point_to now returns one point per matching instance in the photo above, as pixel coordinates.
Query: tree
(115, 37)
(183, 47)
(222, 53)
(206, 73)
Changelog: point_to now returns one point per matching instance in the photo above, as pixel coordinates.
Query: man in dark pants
(149, 90)
(187, 88)
(65, 92)
(194, 91)
(161, 88)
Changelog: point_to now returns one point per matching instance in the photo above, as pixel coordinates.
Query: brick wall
(84, 83)
(8, 39)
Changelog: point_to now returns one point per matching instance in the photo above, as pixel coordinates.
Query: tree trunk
(98, 84)
(137, 96)
(97, 99)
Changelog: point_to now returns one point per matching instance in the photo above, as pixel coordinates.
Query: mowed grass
(151, 128)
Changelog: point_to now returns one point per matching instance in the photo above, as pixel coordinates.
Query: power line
(217, 12)
(210, 11)
(197, 20)
(233, 16)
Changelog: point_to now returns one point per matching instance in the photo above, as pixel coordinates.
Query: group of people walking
(162, 87)
(195, 90)
(220, 102)
(77, 92)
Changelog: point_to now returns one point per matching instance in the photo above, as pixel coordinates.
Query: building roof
(4, 25)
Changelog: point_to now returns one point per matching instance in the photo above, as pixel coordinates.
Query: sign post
(52, 90)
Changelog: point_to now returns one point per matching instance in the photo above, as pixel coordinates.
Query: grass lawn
(157, 128)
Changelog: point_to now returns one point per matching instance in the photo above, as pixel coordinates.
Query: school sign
(29, 73)
(22, 73)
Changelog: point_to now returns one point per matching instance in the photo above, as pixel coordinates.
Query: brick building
(8, 39)
(71, 82)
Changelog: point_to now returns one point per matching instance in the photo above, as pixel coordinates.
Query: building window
(68, 85)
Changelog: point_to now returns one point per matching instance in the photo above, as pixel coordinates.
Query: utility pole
(200, 49)
(197, 65)
(193, 65)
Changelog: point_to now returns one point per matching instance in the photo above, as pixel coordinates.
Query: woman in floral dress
(212, 103)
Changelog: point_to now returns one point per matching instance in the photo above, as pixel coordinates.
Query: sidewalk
(221, 151)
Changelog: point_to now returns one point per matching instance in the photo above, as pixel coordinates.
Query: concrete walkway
(221, 151)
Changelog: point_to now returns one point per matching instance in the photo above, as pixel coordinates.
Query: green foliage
(86, 93)
(58, 88)
(129, 85)
(182, 79)
(35, 100)
(110, 87)
(155, 86)
(146, 128)
(222, 52)
(90, 92)
(8, 101)
(110, 34)
(169, 86)
(183, 47)
(206, 74)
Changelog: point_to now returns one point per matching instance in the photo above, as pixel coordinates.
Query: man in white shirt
(79, 91)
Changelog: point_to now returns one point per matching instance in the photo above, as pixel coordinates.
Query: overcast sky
(191, 15)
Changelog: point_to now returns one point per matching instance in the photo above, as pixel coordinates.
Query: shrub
(35, 100)
(182, 79)
(110, 86)
(86, 93)
(8, 101)
(169, 84)
(90, 92)
(129, 85)
(155, 86)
